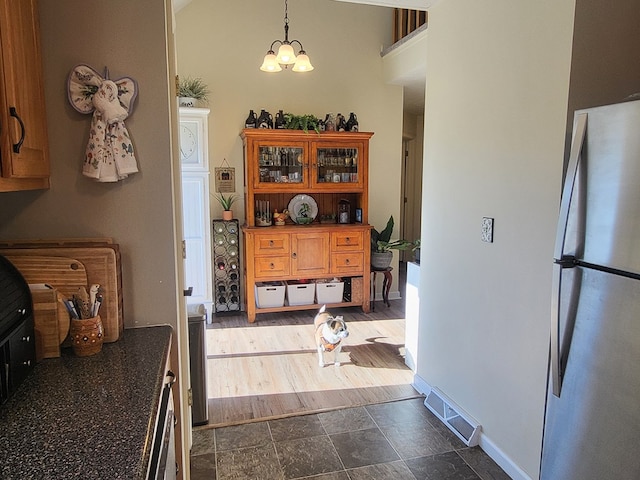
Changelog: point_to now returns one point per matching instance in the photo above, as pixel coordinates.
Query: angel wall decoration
(109, 155)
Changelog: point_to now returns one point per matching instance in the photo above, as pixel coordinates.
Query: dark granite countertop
(87, 417)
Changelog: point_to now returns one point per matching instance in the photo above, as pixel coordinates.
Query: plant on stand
(382, 246)
(191, 90)
(416, 250)
(226, 203)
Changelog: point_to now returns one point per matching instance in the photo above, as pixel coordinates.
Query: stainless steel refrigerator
(592, 420)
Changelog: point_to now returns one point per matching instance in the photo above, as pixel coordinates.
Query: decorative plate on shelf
(303, 207)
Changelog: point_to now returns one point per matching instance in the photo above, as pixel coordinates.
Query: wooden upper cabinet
(341, 164)
(282, 163)
(24, 149)
(282, 160)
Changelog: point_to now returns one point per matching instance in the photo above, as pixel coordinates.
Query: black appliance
(162, 464)
(17, 342)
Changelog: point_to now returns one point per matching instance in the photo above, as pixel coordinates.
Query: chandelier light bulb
(286, 55)
(303, 64)
(270, 64)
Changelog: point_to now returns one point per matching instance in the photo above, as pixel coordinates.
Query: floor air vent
(465, 427)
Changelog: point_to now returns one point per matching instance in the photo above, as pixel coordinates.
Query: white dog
(329, 333)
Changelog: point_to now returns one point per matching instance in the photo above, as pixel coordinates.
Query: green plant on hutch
(301, 122)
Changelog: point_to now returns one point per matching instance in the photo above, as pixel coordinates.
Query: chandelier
(286, 55)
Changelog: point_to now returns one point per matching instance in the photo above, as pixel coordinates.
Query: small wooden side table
(386, 285)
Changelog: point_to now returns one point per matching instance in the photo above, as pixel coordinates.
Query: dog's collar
(327, 346)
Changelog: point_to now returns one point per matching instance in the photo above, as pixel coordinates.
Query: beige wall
(497, 89)
(129, 38)
(224, 43)
(413, 134)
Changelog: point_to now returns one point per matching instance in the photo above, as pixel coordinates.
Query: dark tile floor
(391, 441)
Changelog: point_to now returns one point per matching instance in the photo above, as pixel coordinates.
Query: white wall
(224, 43)
(496, 104)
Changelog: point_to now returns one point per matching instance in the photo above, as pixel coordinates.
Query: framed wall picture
(358, 215)
(225, 179)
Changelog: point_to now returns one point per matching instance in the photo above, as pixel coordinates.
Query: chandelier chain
(286, 12)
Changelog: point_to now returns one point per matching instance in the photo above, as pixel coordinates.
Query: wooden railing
(407, 21)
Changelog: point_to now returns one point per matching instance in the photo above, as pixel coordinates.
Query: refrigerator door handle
(569, 182)
(562, 261)
(556, 373)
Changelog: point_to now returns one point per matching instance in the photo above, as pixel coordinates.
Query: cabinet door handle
(348, 240)
(26, 338)
(294, 255)
(346, 261)
(272, 266)
(14, 113)
(271, 243)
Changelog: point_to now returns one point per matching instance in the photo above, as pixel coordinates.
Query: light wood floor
(269, 369)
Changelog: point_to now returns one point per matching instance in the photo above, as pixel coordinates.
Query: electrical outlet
(487, 229)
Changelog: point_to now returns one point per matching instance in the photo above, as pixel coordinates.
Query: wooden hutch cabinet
(329, 170)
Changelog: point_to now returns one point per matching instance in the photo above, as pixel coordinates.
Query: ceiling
(410, 4)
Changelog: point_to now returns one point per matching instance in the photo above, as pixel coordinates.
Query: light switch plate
(487, 229)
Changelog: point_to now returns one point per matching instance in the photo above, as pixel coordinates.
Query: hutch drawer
(272, 244)
(276, 266)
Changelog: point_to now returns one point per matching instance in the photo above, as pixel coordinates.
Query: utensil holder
(87, 336)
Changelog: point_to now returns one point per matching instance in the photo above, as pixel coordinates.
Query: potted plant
(226, 203)
(382, 246)
(191, 90)
(301, 122)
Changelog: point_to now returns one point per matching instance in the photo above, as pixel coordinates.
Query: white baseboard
(485, 443)
(420, 385)
(498, 456)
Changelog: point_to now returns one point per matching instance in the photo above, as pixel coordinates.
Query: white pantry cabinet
(194, 161)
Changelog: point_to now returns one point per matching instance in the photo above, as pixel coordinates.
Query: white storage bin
(300, 293)
(329, 292)
(269, 294)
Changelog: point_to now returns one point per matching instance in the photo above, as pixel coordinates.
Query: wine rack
(226, 265)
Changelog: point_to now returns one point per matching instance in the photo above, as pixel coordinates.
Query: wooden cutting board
(65, 274)
(102, 264)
